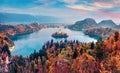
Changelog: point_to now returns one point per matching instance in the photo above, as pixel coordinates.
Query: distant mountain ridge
(90, 23)
(13, 17)
(83, 24)
(103, 29)
(107, 23)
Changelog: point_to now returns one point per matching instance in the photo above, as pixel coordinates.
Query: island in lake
(60, 35)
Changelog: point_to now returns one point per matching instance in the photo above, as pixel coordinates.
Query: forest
(65, 56)
(71, 57)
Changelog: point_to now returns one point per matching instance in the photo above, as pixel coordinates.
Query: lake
(26, 44)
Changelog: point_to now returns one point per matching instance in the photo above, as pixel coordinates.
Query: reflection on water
(28, 43)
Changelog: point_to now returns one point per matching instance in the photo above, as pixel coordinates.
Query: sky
(69, 11)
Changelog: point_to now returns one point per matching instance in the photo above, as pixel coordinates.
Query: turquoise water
(30, 42)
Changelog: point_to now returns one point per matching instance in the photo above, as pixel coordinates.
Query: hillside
(107, 24)
(13, 30)
(72, 57)
(90, 23)
(84, 24)
(104, 29)
(104, 33)
(6, 47)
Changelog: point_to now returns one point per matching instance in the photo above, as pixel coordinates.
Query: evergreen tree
(116, 36)
(100, 49)
(92, 45)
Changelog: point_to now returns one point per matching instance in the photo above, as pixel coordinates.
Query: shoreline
(13, 38)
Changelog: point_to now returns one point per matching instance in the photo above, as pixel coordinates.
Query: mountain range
(107, 23)
(90, 23)
(87, 23)
(23, 18)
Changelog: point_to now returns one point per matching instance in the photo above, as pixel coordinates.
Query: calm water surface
(30, 42)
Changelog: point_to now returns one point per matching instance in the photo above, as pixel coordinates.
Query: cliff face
(12, 30)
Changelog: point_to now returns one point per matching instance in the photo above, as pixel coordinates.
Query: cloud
(104, 4)
(111, 15)
(107, 4)
(69, 1)
(117, 1)
(66, 15)
(45, 2)
(45, 11)
(83, 7)
(69, 10)
(95, 6)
